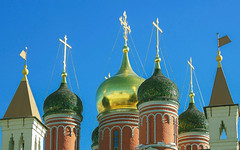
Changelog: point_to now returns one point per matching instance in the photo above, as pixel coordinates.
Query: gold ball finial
(25, 70)
(157, 59)
(125, 49)
(219, 57)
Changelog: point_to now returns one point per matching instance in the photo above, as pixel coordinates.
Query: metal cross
(65, 49)
(126, 27)
(191, 69)
(158, 29)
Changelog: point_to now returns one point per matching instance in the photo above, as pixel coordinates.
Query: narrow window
(21, 142)
(39, 144)
(11, 143)
(115, 140)
(223, 131)
(35, 143)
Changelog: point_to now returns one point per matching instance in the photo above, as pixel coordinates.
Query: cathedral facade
(133, 114)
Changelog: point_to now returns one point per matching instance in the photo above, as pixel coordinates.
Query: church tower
(193, 126)
(63, 115)
(222, 114)
(116, 101)
(22, 127)
(158, 110)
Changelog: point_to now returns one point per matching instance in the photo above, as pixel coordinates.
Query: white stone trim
(119, 114)
(60, 122)
(122, 119)
(188, 141)
(120, 122)
(64, 119)
(157, 102)
(62, 116)
(153, 111)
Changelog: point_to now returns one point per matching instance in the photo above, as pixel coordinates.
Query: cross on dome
(191, 69)
(126, 27)
(65, 49)
(158, 29)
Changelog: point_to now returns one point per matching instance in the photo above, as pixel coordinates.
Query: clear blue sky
(92, 27)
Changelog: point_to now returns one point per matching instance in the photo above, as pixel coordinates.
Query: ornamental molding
(117, 119)
(101, 117)
(119, 122)
(191, 146)
(62, 116)
(64, 132)
(157, 102)
(185, 135)
(121, 131)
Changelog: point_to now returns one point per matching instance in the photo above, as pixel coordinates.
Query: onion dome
(119, 91)
(95, 135)
(63, 101)
(157, 87)
(192, 119)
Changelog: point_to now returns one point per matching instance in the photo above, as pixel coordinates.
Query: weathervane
(126, 27)
(65, 49)
(191, 70)
(158, 29)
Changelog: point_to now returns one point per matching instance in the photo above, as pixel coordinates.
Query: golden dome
(119, 91)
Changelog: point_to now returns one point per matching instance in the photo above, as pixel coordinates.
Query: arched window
(115, 140)
(223, 131)
(11, 143)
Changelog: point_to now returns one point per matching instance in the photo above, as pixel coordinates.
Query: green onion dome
(120, 91)
(63, 101)
(192, 120)
(157, 87)
(95, 136)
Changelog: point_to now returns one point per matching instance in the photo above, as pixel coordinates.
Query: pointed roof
(220, 93)
(23, 103)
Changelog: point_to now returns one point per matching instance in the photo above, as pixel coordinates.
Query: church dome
(63, 101)
(119, 91)
(95, 136)
(192, 120)
(157, 87)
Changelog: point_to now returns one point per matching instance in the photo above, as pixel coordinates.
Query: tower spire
(191, 95)
(126, 27)
(157, 59)
(64, 74)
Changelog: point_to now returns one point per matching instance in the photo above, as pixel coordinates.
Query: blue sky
(189, 30)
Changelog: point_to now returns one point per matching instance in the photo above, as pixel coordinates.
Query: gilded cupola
(120, 91)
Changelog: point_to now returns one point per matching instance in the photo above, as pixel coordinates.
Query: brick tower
(193, 126)
(116, 101)
(158, 110)
(63, 116)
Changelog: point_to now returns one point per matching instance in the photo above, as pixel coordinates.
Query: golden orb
(25, 70)
(120, 91)
(219, 57)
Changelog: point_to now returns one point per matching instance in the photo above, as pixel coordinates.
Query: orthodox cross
(65, 49)
(191, 69)
(158, 29)
(126, 27)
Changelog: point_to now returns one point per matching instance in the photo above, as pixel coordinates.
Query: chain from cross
(160, 30)
(65, 49)
(191, 69)
(126, 27)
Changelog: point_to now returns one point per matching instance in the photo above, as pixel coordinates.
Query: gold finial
(219, 59)
(191, 95)
(126, 27)
(25, 70)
